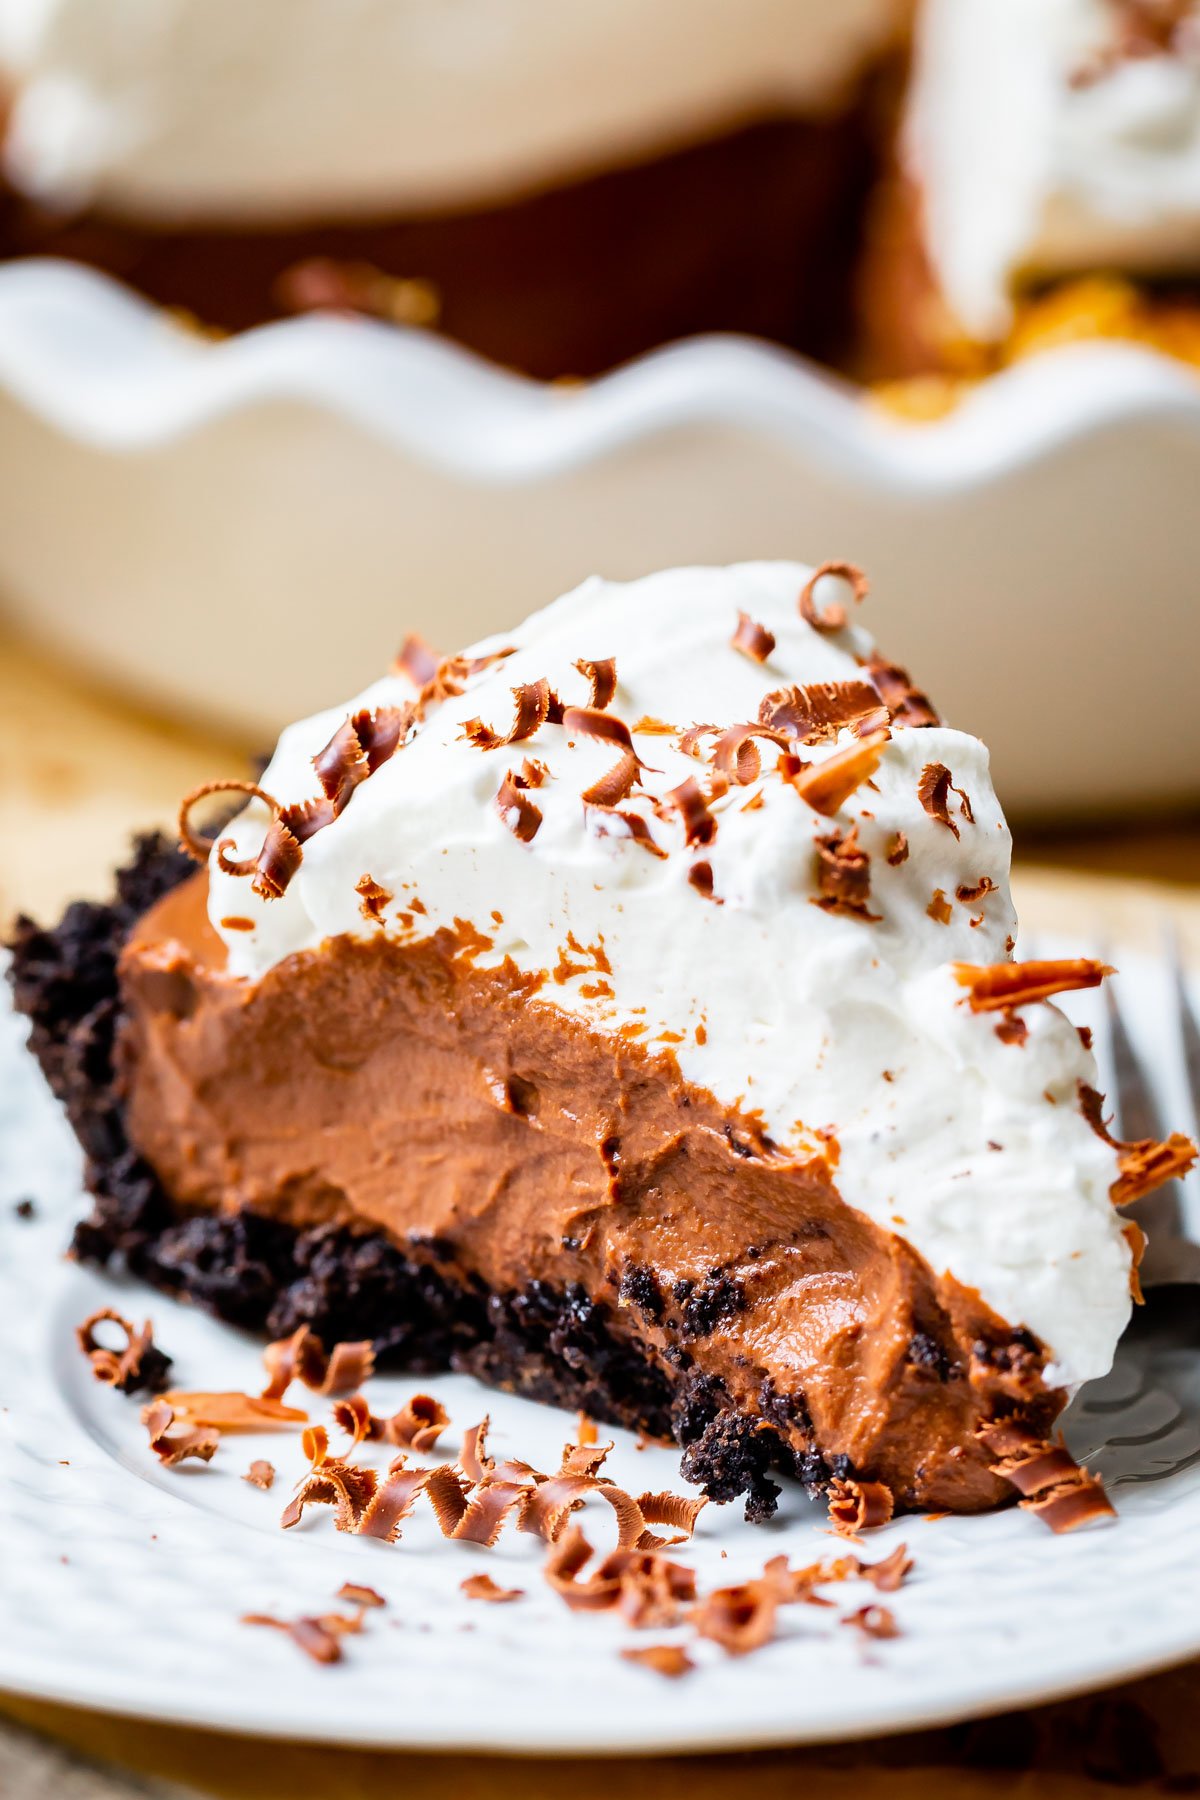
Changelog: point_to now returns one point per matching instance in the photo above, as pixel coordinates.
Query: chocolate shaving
(752, 639)
(601, 678)
(354, 1417)
(828, 785)
(233, 1411)
(139, 1365)
(1055, 1489)
(348, 1487)
(315, 1637)
(844, 876)
(615, 821)
(417, 1426)
(618, 782)
(260, 1474)
(690, 740)
(678, 1512)
(532, 708)
(890, 1573)
(302, 1357)
(517, 812)
(700, 876)
(671, 1660)
(532, 773)
(482, 1587)
(391, 1501)
(1012, 1029)
(477, 1518)
(198, 848)
(371, 899)
(416, 660)
(834, 616)
(650, 1590)
(897, 850)
(354, 1594)
(874, 1621)
(699, 826)
(907, 704)
(968, 892)
(995, 987)
(170, 1449)
(736, 755)
(740, 1618)
(856, 1506)
(934, 790)
(816, 713)
(939, 908)
(1146, 1165)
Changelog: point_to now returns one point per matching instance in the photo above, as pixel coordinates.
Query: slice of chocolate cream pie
(622, 1011)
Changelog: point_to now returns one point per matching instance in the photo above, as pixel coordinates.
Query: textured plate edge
(72, 341)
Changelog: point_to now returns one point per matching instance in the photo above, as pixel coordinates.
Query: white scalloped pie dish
(238, 529)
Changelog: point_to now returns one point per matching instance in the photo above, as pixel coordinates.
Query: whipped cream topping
(1035, 155)
(297, 109)
(972, 1148)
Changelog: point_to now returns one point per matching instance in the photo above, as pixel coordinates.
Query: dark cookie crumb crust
(547, 1344)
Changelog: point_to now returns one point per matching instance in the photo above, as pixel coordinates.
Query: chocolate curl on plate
(873, 1621)
(416, 660)
(906, 703)
(601, 678)
(476, 1518)
(392, 1501)
(934, 790)
(138, 1365)
(233, 1411)
(478, 1466)
(994, 987)
(833, 617)
(1053, 1486)
(699, 826)
(318, 1638)
(816, 713)
(671, 1660)
(676, 1511)
(354, 1416)
(170, 1449)
(856, 1506)
(650, 1590)
(736, 756)
(516, 811)
(482, 1587)
(752, 639)
(828, 785)
(740, 1618)
(331, 1481)
(302, 1357)
(531, 703)
(417, 1426)
(260, 1474)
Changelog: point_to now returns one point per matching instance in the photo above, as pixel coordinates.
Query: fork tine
(1136, 1108)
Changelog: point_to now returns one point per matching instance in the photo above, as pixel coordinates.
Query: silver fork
(1172, 1256)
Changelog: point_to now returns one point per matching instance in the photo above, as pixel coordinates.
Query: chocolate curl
(906, 703)
(158, 1418)
(690, 740)
(827, 786)
(354, 1417)
(890, 1573)
(934, 790)
(816, 713)
(260, 1474)
(736, 756)
(472, 1519)
(739, 1618)
(531, 708)
(856, 1506)
(392, 1501)
(200, 849)
(348, 1487)
(613, 821)
(1146, 1165)
(699, 826)
(1055, 1489)
(139, 1364)
(677, 1512)
(302, 1357)
(834, 616)
(700, 876)
(416, 660)
(517, 812)
(873, 1621)
(417, 1426)
(601, 678)
(752, 639)
(480, 1467)
(649, 1589)
(994, 987)
(620, 779)
(355, 1594)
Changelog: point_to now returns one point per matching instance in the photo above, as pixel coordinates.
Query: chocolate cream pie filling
(648, 972)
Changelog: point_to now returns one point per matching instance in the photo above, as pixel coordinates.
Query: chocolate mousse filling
(393, 1139)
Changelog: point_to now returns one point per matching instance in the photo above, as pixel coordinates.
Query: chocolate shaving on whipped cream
(816, 713)
(531, 703)
(826, 786)
(736, 756)
(417, 660)
(372, 899)
(517, 811)
(137, 1366)
(752, 639)
(699, 826)
(934, 790)
(601, 678)
(907, 704)
(897, 850)
(700, 876)
(615, 821)
(833, 616)
(994, 987)
(844, 876)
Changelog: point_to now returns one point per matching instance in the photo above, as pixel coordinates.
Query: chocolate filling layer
(391, 1141)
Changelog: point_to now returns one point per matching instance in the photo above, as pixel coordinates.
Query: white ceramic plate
(122, 1584)
(245, 530)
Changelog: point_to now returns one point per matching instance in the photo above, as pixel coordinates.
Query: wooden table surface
(79, 771)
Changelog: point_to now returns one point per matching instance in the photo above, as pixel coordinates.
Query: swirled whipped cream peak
(700, 814)
(1053, 137)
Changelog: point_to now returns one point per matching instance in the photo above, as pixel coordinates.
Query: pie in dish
(622, 1011)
